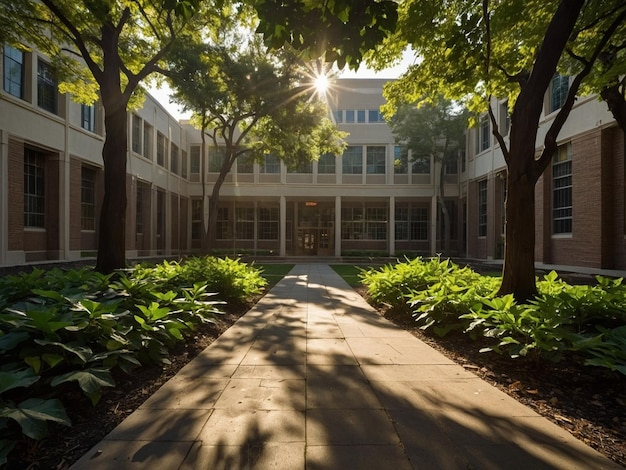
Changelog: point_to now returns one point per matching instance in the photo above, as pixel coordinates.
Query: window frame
(11, 65)
(562, 191)
(482, 207)
(34, 189)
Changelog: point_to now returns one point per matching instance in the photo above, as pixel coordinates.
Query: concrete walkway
(313, 378)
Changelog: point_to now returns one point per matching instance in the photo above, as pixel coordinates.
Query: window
(421, 165)
(400, 160)
(352, 223)
(374, 116)
(46, 87)
(161, 150)
(562, 190)
(411, 223)
(338, 115)
(136, 134)
(349, 115)
(14, 71)
(376, 223)
(326, 164)
(34, 195)
(376, 160)
(217, 157)
(451, 165)
(483, 141)
(196, 219)
(223, 224)
(352, 161)
(301, 167)
(194, 159)
(244, 225)
(482, 208)
(148, 132)
(360, 116)
(174, 158)
(139, 212)
(244, 165)
(160, 220)
(88, 117)
(270, 165)
(558, 91)
(87, 199)
(268, 223)
(183, 158)
(463, 160)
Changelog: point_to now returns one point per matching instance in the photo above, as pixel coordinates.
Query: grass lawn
(349, 273)
(273, 272)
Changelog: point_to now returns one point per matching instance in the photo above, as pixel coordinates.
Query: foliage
(582, 320)
(64, 330)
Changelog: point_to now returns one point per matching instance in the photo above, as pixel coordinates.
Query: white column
(338, 226)
(283, 227)
(433, 225)
(392, 226)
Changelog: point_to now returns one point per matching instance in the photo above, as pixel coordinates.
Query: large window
(302, 168)
(183, 159)
(421, 165)
(562, 190)
(244, 165)
(349, 115)
(244, 225)
(482, 208)
(270, 164)
(223, 224)
(46, 87)
(411, 223)
(14, 71)
(139, 212)
(374, 116)
(174, 158)
(217, 157)
(194, 159)
(34, 195)
(338, 115)
(400, 160)
(360, 116)
(161, 150)
(88, 117)
(364, 223)
(137, 134)
(484, 139)
(268, 223)
(87, 199)
(376, 160)
(326, 164)
(558, 91)
(196, 219)
(148, 132)
(353, 160)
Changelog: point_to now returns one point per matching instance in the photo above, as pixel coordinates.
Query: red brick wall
(75, 204)
(618, 176)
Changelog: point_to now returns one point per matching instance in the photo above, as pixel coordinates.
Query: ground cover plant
(62, 331)
(587, 321)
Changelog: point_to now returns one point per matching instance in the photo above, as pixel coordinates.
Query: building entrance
(314, 228)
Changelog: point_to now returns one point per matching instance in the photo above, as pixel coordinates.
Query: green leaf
(34, 362)
(6, 446)
(82, 352)
(89, 380)
(33, 413)
(52, 359)
(10, 340)
(16, 379)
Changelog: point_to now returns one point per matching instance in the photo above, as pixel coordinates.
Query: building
(579, 198)
(370, 201)
(51, 182)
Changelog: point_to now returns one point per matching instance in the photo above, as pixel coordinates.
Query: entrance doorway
(314, 228)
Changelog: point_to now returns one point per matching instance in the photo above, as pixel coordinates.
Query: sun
(321, 83)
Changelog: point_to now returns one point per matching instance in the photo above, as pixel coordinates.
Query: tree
(473, 50)
(251, 104)
(120, 42)
(432, 130)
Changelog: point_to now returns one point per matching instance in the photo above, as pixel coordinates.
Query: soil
(588, 402)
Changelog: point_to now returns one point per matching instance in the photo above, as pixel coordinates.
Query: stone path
(313, 378)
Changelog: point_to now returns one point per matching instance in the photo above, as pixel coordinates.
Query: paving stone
(283, 456)
(398, 350)
(169, 425)
(262, 394)
(413, 372)
(349, 427)
(270, 372)
(183, 392)
(329, 351)
(371, 457)
(136, 455)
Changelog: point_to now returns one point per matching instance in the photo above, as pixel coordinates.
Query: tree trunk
(214, 202)
(616, 103)
(518, 276)
(112, 229)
